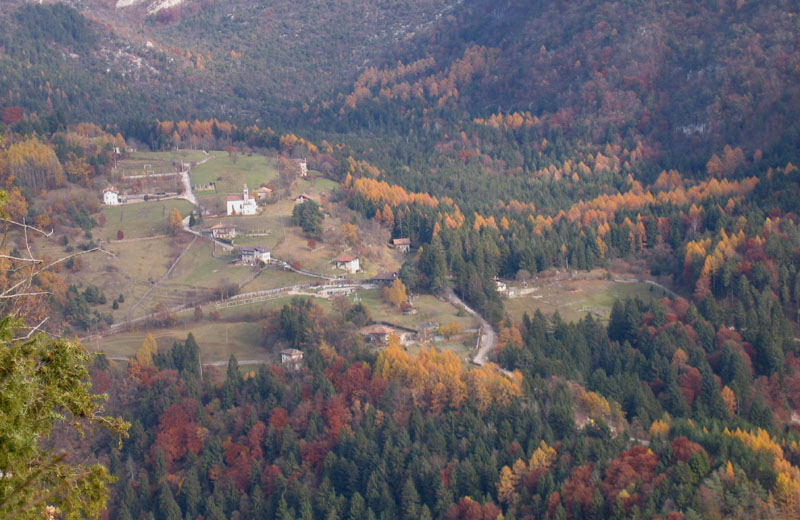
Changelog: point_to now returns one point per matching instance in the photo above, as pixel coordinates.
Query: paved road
(488, 339)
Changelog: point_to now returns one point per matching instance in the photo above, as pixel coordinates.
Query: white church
(244, 205)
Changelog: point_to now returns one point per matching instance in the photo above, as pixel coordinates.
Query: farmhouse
(263, 193)
(348, 263)
(223, 232)
(501, 286)
(110, 196)
(402, 244)
(292, 358)
(244, 205)
(376, 333)
(303, 197)
(379, 334)
(255, 255)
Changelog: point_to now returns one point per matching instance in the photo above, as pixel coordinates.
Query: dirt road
(488, 339)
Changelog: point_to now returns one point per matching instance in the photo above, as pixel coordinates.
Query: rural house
(263, 193)
(348, 263)
(255, 255)
(223, 232)
(379, 334)
(402, 244)
(244, 205)
(303, 197)
(292, 358)
(110, 196)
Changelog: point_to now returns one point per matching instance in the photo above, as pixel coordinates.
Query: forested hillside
(241, 60)
(685, 77)
(505, 141)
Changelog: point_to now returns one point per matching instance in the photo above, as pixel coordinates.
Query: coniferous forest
(505, 140)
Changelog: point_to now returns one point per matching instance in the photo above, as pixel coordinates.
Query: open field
(323, 185)
(429, 308)
(230, 175)
(140, 163)
(200, 269)
(130, 272)
(217, 341)
(574, 298)
(138, 220)
(273, 278)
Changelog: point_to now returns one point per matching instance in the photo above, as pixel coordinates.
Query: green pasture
(230, 175)
(217, 341)
(429, 308)
(137, 220)
(574, 298)
(139, 163)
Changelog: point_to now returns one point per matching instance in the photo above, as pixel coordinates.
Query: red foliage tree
(468, 509)
(633, 471)
(177, 432)
(683, 449)
(690, 382)
(278, 419)
(12, 115)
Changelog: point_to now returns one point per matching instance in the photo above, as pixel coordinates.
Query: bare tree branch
(20, 258)
(33, 329)
(64, 259)
(27, 226)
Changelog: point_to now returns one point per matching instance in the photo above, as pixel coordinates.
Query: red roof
(401, 241)
(345, 258)
(231, 198)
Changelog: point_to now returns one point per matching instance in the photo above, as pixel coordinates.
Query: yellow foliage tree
(506, 491)
(730, 399)
(175, 221)
(396, 293)
(146, 352)
(542, 457)
(450, 330)
(594, 404)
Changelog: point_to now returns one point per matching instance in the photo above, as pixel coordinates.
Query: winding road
(488, 338)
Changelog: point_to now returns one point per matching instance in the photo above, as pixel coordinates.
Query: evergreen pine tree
(167, 507)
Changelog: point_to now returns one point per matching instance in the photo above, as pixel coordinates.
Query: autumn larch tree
(175, 221)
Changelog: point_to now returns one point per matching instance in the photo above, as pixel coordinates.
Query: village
(235, 253)
(238, 253)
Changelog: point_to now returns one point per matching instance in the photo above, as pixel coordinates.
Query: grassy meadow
(574, 298)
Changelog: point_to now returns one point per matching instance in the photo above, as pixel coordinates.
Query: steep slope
(237, 59)
(687, 76)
